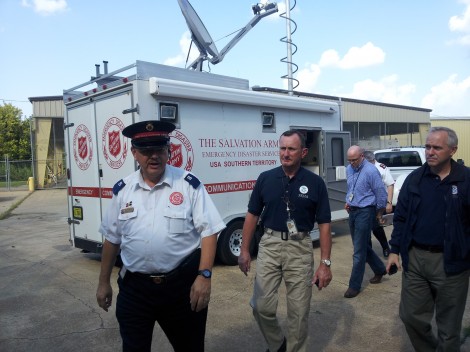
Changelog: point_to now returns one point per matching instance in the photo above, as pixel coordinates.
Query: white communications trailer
(226, 134)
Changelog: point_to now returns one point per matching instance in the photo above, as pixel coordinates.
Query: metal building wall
(366, 112)
(462, 127)
(49, 108)
(48, 146)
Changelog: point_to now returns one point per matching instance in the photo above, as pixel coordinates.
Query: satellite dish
(203, 40)
(199, 33)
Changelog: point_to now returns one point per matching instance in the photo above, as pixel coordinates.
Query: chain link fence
(16, 174)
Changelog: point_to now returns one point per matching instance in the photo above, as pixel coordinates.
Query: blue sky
(409, 52)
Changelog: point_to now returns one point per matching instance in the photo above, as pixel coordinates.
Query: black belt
(161, 278)
(157, 278)
(285, 235)
(428, 247)
(351, 208)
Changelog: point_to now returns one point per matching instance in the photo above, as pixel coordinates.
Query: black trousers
(141, 303)
(379, 234)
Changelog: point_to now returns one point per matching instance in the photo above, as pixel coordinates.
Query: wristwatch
(205, 273)
(327, 262)
(389, 202)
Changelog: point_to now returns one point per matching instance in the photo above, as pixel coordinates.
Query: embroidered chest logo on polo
(176, 198)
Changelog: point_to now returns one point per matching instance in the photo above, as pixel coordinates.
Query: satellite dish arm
(269, 9)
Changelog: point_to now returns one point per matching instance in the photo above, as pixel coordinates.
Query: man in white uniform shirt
(165, 226)
(388, 181)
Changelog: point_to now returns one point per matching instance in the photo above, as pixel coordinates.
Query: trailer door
(98, 157)
(335, 146)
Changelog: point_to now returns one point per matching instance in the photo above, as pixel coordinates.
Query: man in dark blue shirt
(289, 199)
(431, 232)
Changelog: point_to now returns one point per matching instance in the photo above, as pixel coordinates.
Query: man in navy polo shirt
(431, 232)
(289, 199)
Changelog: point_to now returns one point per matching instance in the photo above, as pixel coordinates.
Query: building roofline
(45, 98)
(331, 97)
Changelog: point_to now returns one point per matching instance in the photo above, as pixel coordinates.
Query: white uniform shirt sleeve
(206, 217)
(108, 226)
(387, 177)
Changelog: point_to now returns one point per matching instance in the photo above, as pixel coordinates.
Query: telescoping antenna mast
(291, 66)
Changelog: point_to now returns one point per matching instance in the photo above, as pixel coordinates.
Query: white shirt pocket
(176, 220)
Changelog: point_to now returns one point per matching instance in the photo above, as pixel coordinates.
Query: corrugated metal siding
(357, 112)
(461, 126)
(48, 108)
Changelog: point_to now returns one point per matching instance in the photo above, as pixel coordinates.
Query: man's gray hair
(452, 139)
(369, 156)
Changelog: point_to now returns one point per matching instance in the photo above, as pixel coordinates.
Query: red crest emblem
(176, 198)
(176, 155)
(82, 147)
(114, 142)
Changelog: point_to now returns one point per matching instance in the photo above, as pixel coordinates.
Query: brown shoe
(351, 293)
(376, 279)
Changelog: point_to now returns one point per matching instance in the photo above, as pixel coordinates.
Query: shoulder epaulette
(118, 186)
(192, 180)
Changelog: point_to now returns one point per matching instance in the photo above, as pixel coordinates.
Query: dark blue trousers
(141, 303)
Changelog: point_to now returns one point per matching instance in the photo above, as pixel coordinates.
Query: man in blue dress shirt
(366, 200)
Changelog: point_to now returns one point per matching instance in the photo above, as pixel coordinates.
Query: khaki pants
(428, 291)
(292, 261)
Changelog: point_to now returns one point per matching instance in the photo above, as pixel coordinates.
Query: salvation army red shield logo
(182, 153)
(114, 143)
(82, 147)
(176, 155)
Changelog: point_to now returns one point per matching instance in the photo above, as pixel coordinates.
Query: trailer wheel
(229, 243)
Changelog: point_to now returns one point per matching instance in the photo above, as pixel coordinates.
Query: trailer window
(268, 122)
(169, 112)
(337, 152)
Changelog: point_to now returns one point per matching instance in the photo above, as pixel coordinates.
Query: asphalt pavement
(47, 294)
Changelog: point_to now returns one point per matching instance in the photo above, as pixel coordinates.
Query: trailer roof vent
(268, 122)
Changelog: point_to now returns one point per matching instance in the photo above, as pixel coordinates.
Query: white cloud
(387, 90)
(46, 7)
(308, 78)
(367, 55)
(461, 23)
(449, 98)
(180, 59)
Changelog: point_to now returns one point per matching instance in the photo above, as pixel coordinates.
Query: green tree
(14, 134)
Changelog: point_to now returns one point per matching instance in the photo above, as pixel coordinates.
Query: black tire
(229, 243)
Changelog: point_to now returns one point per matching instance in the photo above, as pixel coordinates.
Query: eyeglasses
(148, 152)
(354, 160)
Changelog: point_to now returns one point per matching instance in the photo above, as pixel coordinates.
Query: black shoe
(377, 279)
(283, 347)
(386, 252)
(351, 293)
